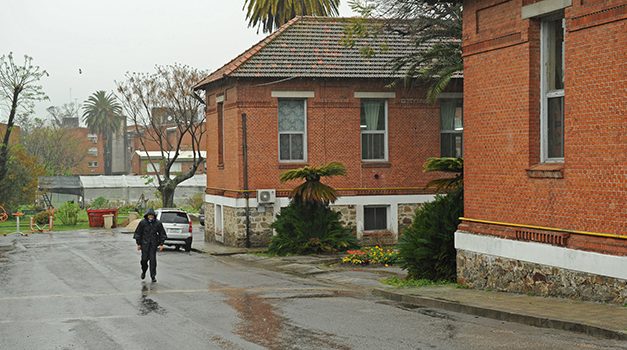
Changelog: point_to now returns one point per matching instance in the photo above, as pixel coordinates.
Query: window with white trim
(375, 217)
(176, 167)
(451, 128)
(373, 125)
(552, 85)
(92, 164)
(93, 138)
(292, 130)
(93, 151)
(153, 167)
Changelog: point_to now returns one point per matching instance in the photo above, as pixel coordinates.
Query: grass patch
(412, 283)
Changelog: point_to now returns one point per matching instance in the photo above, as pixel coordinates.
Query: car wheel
(188, 245)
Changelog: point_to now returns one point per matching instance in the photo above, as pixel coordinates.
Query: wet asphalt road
(82, 290)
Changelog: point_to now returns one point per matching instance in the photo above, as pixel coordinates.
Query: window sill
(546, 171)
(220, 166)
(292, 165)
(365, 164)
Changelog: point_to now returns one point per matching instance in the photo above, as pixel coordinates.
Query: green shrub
(426, 248)
(100, 203)
(42, 217)
(68, 213)
(310, 229)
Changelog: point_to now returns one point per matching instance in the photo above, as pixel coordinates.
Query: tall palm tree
(447, 165)
(312, 191)
(103, 115)
(272, 14)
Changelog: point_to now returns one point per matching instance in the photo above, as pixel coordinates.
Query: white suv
(178, 227)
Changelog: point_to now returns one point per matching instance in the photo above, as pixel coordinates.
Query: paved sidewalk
(601, 320)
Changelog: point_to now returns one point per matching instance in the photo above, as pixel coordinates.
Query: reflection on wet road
(147, 305)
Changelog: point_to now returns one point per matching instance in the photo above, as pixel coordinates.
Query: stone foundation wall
(235, 226)
(491, 272)
(406, 214)
(209, 222)
(349, 215)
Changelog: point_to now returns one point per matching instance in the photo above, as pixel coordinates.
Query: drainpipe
(246, 193)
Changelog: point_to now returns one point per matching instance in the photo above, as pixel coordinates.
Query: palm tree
(272, 14)
(446, 165)
(103, 116)
(312, 191)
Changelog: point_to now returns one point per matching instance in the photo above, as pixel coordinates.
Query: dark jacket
(150, 232)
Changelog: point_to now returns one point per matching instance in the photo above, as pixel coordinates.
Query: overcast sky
(105, 39)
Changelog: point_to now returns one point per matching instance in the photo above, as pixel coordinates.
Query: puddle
(262, 324)
(147, 305)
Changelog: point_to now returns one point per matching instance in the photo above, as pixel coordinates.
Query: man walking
(149, 235)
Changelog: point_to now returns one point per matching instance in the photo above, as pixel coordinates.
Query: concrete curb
(501, 315)
(216, 253)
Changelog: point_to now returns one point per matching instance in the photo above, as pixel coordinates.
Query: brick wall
(501, 117)
(333, 128)
(85, 144)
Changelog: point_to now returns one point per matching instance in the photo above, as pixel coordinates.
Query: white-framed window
(451, 127)
(376, 217)
(219, 219)
(93, 151)
(373, 125)
(92, 164)
(93, 138)
(176, 167)
(552, 88)
(153, 167)
(292, 130)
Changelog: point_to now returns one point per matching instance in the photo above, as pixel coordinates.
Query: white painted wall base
(358, 201)
(545, 254)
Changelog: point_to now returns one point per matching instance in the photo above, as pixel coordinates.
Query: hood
(150, 212)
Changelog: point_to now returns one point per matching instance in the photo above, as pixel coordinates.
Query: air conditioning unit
(266, 196)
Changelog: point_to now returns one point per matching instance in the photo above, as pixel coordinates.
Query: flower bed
(369, 256)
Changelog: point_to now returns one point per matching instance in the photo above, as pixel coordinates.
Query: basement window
(376, 218)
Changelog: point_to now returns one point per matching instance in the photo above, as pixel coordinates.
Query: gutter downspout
(245, 173)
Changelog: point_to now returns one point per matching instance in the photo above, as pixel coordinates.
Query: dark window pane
(296, 147)
(555, 124)
(373, 146)
(291, 147)
(174, 218)
(375, 218)
(284, 147)
(459, 149)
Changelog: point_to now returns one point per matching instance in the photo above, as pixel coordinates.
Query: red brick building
(92, 147)
(300, 97)
(545, 144)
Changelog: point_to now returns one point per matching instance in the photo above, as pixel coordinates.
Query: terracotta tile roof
(312, 47)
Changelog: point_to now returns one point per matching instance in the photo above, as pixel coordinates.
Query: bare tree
(167, 115)
(19, 90)
(56, 149)
(60, 113)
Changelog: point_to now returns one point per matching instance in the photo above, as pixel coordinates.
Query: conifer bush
(426, 248)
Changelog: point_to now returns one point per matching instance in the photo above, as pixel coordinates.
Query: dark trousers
(149, 253)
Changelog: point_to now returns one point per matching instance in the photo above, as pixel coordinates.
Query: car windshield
(174, 218)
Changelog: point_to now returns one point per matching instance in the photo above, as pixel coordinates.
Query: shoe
(154, 279)
(143, 274)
